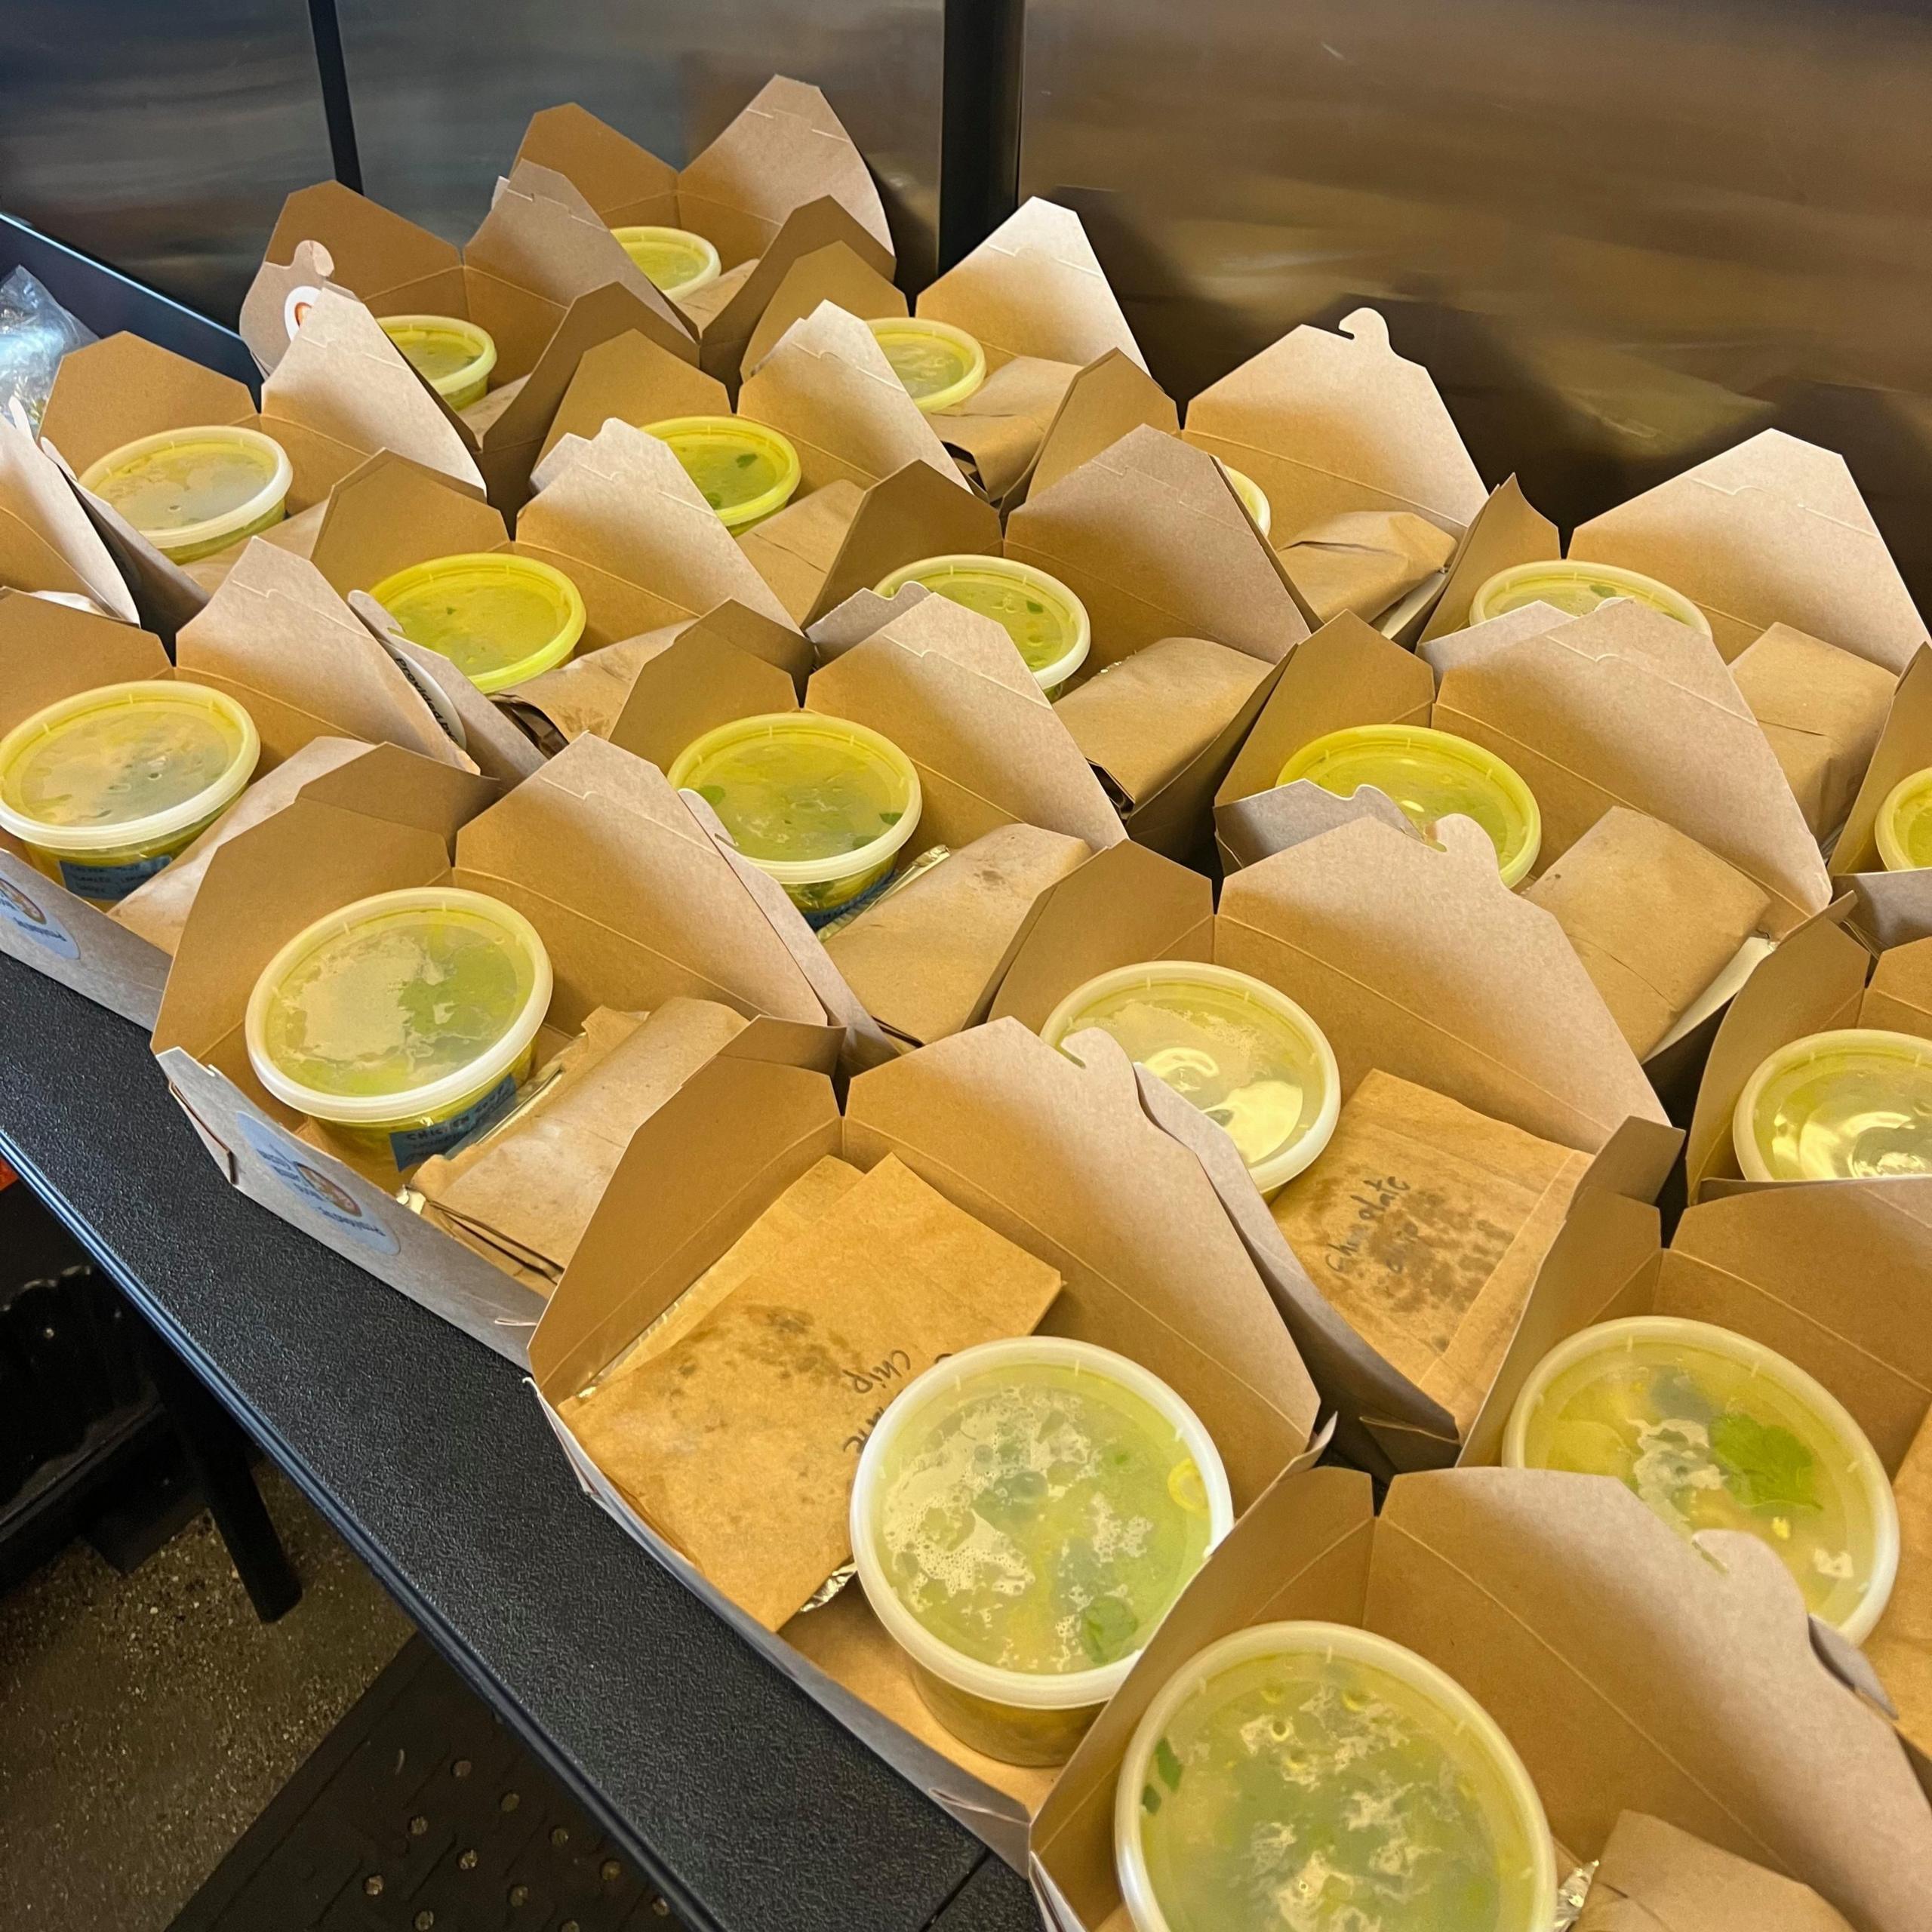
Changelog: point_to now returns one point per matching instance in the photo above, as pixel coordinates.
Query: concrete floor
(146, 1721)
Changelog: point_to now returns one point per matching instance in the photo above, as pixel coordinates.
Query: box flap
(637, 380)
(1812, 983)
(47, 541)
(836, 273)
(1034, 287)
(1151, 537)
(1626, 706)
(1507, 530)
(1112, 395)
(50, 651)
(986, 751)
(696, 681)
(1328, 421)
(67, 939)
(914, 513)
(785, 148)
(394, 266)
(1422, 962)
(117, 390)
(1774, 531)
(391, 513)
(627, 186)
(1653, 1877)
(826, 385)
(276, 637)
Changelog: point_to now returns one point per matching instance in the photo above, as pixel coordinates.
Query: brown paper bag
(1145, 719)
(532, 1187)
(1653, 1878)
(1363, 560)
(738, 1441)
(925, 959)
(1653, 916)
(1424, 1223)
(1823, 710)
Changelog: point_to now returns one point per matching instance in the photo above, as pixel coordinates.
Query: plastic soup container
(499, 618)
(1903, 828)
(822, 804)
(1715, 1431)
(1431, 775)
(744, 470)
(402, 1023)
(105, 788)
(455, 357)
(1253, 498)
(939, 365)
(673, 261)
(193, 492)
(1023, 1516)
(1045, 620)
(1578, 587)
(1246, 1055)
(1315, 1777)
(1855, 1104)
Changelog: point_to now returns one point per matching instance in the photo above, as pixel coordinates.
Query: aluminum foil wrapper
(1570, 1896)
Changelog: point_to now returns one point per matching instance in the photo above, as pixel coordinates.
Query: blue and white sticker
(417, 1143)
(299, 1168)
(32, 921)
(109, 884)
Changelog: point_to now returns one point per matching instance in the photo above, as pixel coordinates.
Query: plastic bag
(34, 333)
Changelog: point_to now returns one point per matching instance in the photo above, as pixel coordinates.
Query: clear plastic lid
(499, 618)
(940, 365)
(1715, 1431)
(124, 766)
(806, 798)
(1253, 498)
(744, 470)
(397, 1005)
(194, 489)
(674, 260)
(1903, 828)
(1027, 1512)
(1578, 587)
(1431, 775)
(1046, 622)
(455, 357)
(1246, 1055)
(1855, 1104)
(1315, 1777)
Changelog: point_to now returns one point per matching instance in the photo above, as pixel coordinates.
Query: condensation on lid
(1577, 586)
(126, 763)
(453, 356)
(743, 469)
(1048, 623)
(674, 261)
(1852, 1104)
(1430, 775)
(499, 618)
(194, 490)
(939, 365)
(1903, 828)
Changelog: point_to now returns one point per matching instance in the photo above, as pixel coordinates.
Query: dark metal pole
(979, 123)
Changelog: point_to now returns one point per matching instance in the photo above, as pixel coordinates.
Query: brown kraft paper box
(47, 544)
(1653, 1878)
(1060, 1159)
(340, 392)
(1415, 962)
(1774, 531)
(1891, 906)
(781, 181)
(635, 904)
(1630, 1672)
(322, 693)
(542, 274)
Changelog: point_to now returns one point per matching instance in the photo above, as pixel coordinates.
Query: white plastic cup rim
(431, 1098)
(1360, 1646)
(1048, 677)
(1751, 1162)
(1644, 589)
(1069, 1690)
(157, 829)
(1774, 1368)
(1301, 1153)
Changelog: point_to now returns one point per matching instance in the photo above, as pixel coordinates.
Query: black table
(747, 1805)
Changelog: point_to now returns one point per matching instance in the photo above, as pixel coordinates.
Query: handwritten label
(1376, 1195)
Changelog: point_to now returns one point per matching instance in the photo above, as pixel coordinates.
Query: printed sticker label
(299, 1168)
(32, 921)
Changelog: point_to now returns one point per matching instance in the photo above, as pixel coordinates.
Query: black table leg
(217, 1454)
